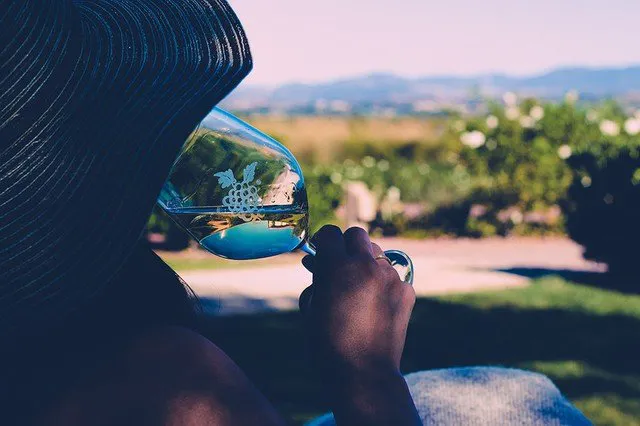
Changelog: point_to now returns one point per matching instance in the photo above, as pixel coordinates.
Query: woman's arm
(170, 376)
(203, 385)
(356, 314)
(377, 396)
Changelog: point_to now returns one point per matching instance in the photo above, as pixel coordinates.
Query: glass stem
(308, 248)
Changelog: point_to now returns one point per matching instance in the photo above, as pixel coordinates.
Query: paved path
(442, 266)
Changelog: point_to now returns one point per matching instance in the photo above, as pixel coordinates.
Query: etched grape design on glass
(241, 194)
(242, 197)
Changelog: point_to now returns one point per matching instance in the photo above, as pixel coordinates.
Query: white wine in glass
(241, 194)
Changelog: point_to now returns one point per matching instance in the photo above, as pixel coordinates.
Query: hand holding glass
(241, 194)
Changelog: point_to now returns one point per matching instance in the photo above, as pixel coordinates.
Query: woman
(96, 100)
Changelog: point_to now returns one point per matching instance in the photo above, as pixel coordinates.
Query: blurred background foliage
(524, 168)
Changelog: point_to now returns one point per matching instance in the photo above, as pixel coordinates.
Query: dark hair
(146, 293)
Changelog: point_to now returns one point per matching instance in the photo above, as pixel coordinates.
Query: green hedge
(603, 204)
(494, 174)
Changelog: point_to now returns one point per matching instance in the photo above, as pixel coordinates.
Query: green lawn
(586, 339)
(183, 263)
(190, 264)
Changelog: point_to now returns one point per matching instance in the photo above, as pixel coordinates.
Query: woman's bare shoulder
(169, 376)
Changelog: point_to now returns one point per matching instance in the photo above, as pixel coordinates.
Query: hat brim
(96, 100)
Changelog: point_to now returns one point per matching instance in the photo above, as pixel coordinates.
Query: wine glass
(241, 194)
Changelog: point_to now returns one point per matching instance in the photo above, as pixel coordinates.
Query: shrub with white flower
(572, 96)
(592, 115)
(512, 112)
(474, 139)
(537, 113)
(516, 217)
(527, 122)
(632, 126)
(393, 194)
(492, 122)
(355, 172)
(510, 98)
(609, 128)
(368, 161)
(383, 165)
(564, 152)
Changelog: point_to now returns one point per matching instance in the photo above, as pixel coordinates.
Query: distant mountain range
(392, 89)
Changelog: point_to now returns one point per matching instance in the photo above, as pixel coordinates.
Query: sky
(321, 40)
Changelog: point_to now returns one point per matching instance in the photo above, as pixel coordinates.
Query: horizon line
(494, 73)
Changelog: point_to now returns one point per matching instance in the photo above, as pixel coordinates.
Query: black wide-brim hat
(96, 100)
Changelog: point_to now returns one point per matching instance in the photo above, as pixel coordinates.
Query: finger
(308, 262)
(356, 241)
(381, 257)
(329, 242)
(305, 299)
(377, 250)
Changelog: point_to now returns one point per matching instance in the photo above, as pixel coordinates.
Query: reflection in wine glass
(241, 194)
